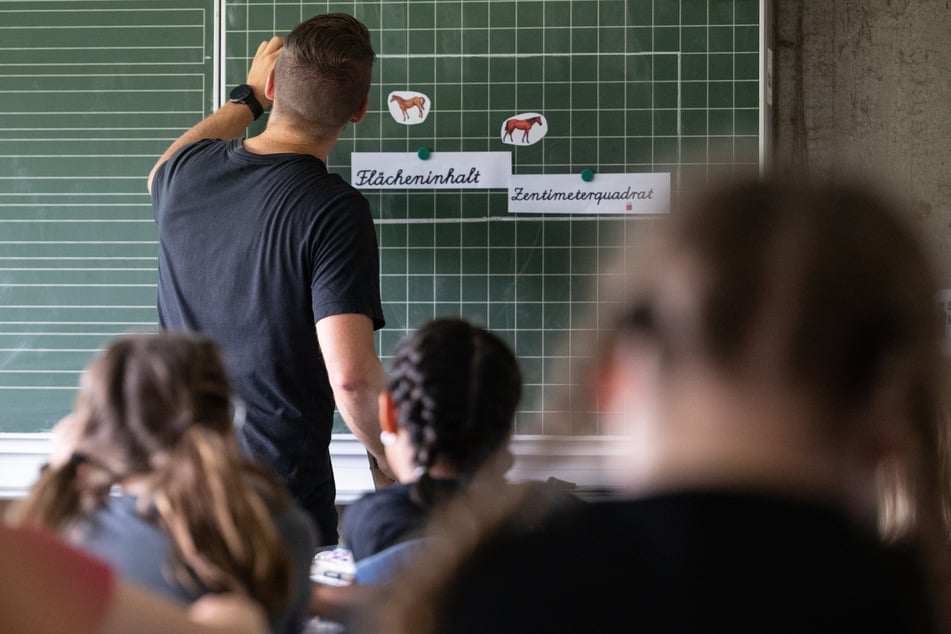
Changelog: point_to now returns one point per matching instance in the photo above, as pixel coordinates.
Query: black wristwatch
(244, 94)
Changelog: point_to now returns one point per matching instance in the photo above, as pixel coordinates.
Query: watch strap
(244, 94)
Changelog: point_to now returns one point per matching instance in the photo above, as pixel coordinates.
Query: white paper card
(606, 194)
(443, 170)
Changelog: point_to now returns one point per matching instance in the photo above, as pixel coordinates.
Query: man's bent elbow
(354, 385)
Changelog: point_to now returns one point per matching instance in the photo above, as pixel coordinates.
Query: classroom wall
(866, 84)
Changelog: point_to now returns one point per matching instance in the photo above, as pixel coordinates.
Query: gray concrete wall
(866, 85)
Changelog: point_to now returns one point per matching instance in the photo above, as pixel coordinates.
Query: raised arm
(231, 119)
(356, 376)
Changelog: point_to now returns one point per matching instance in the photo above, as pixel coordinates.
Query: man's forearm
(356, 376)
(359, 406)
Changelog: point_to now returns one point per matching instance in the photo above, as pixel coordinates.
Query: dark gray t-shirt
(139, 550)
(254, 250)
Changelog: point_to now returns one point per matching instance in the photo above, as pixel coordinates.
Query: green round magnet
(587, 175)
(423, 153)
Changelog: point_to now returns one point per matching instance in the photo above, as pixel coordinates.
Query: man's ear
(269, 85)
(359, 114)
(388, 414)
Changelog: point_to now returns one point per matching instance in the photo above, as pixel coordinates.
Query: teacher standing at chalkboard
(259, 243)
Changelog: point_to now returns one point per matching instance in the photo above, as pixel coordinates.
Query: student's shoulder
(394, 497)
(379, 506)
(119, 513)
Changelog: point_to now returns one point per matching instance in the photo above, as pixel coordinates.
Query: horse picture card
(408, 107)
(527, 128)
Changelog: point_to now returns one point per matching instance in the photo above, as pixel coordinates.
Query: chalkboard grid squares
(722, 11)
(666, 39)
(694, 150)
(606, 79)
(746, 12)
(746, 38)
(666, 13)
(693, 12)
(584, 40)
(641, 13)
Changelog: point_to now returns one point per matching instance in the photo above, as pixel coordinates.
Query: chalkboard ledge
(576, 459)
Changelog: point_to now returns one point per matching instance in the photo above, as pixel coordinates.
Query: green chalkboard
(99, 89)
(93, 93)
(625, 86)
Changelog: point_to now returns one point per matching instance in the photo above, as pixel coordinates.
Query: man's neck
(279, 139)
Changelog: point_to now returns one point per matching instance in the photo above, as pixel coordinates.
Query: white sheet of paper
(647, 193)
(443, 170)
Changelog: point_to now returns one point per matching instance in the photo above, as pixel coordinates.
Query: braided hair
(455, 387)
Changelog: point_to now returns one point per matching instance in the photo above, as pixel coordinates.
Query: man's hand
(230, 120)
(262, 65)
(382, 473)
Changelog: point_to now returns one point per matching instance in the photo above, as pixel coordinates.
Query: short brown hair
(322, 76)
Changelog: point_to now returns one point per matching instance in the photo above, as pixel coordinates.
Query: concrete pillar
(866, 85)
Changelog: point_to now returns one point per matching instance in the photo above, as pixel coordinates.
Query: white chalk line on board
(520, 55)
(446, 221)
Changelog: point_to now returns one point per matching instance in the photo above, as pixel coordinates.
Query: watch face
(240, 93)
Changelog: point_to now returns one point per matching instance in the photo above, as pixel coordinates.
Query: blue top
(141, 551)
(254, 249)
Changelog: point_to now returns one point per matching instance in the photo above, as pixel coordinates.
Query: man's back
(254, 250)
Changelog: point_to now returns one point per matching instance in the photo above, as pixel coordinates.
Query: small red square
(630, 207)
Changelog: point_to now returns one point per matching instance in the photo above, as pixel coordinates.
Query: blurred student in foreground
(777, 350)
(49, 588)
(154, 418)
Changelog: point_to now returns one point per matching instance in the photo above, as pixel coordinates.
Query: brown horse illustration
(412, 102)
(525, 125)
